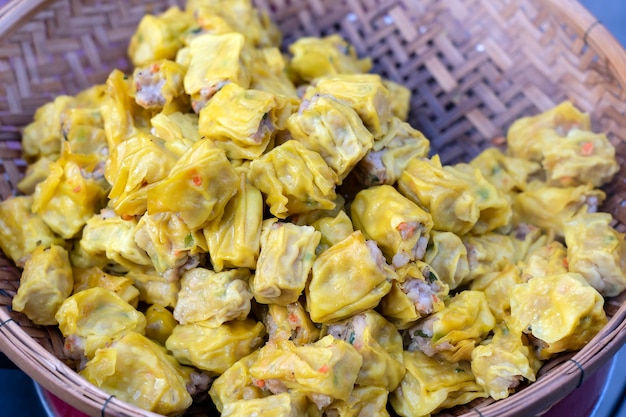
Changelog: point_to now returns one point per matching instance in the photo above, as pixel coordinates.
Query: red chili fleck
(196, 179)
(587, 149)
(76, 189)
(293, 319)
(324, 368)
(260, 383)
(565, 263)
(154, 68)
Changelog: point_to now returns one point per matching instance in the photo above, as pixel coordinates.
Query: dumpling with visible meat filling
(551, 207)
(323, 371)
(236, 383)
(380, 344)
(418, 292)
(203, 181)
(21, 231)
(159, 87)
(503, 361)
(400, 227)
(285, 262)
(178, 130)
(391, 154)
(348, 278)
(45, 283)
(213, 298)
(430, 385)
(488, 253)
(453, 332)
(290, 322)
(141, 372)
(549, 259)
(241, 121)
(332, 129)
(561, 312)
(313, 57)
(294, 180)
(213, 61)
(597, 251)
(94, 318)
(215, 349)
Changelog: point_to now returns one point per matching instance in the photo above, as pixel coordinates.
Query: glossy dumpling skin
(213, 297)
(215, 349)
(597, 251)
(21, 231)
(562, 312)
(154, 288)
(85, 278)
(313, 57)
(203, 181)
(453, 332)
(334, 130)
(496, 286)
(508, 173)
(290, 322)
(400, 227)
(364, 401)
(348, 278)
(159, 87)
(236, 383)
(391, 154)
(379, 343)
(234, 240)
(430, 385)
(284, 404)
(294, 180)
(501, 362)
(140, 372)
(448, 256)
(333, 229)
(94, 318)
(286, 258)
(45, 283)
(323, 371)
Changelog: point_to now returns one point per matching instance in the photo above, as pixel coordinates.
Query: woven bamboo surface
(473, 66)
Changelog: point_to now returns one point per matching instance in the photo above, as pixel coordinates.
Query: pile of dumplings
(265, 226)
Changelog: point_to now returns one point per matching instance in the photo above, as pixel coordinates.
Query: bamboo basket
(474, 66)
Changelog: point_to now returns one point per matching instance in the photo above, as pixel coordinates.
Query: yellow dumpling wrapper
(241, 121)
(94, 318)
(323, 371)
(21, 231)
(284, 404)
(418, 292)
(549, 259)
(35, 173)
(551, 207)
(269, 74)
(213, 62)
(453, 332)
(391, 154)
(213, 298)
(160, 323)
(236, 383)
(333, 229)
(134, 165)
(290, 322)
(71, 194)
(597, 251)
(379, 343)
(159, 36)
(215, 349)
(488, 253)
(507, 173)
(348, 278)
(168, 241)
(502, 362)
(496, 286)
(430, 385)
(562, 311)
(85, 278)
(45, 283)
(285, 262)
(400, 227)
(202, 181)
(400, 99)
(528, 137)
(155, 288)
(365, 93)
(364, 401)
(448, 256)
(111, 239)
(159, 87)
(313, 57)
(234, 240)
(178, 130)
(83, 127)
(332, 129)
(140, 372)
(294, 180)
(580, 157)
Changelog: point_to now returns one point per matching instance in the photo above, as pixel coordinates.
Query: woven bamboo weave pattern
(473, 67)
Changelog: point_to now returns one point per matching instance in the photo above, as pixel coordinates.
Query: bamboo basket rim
(55, 376)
